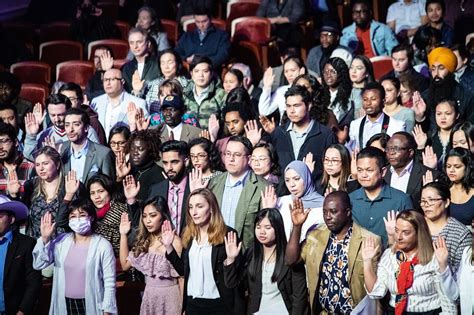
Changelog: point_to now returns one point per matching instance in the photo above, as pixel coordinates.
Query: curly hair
(344, 85)
(318, 111)
(151, 138)
(144, 238)
(215, 161)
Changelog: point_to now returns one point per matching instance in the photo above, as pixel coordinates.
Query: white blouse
(272, 302)
(465, 276)
(423, 295)
(270, 102)
(201, 283)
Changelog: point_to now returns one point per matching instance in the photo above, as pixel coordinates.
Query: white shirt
(140, 67)
(272, 301)
(176, 131)
(270, 102)
(465, 278)
(370, 129)
(201, 283)
(406, 15)
(400, 182)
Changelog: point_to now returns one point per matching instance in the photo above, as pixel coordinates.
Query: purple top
(75, 271)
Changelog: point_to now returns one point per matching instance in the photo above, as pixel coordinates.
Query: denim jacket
(381, 36)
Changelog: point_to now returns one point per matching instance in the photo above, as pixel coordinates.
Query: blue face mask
(80, 226)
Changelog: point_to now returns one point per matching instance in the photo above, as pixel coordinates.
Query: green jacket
(248, 205)
(212, 104)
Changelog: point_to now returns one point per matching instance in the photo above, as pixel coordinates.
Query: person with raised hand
(163, 285)
(84, 263)
(415, 273)
(274, 288)
(202, 260)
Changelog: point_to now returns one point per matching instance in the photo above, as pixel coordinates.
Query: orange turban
(444, 56)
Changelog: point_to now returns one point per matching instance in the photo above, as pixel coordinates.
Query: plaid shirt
(24, 171)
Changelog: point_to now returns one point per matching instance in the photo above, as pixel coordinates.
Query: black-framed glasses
(429, 201)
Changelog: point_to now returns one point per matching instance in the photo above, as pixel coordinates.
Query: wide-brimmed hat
(19, 210)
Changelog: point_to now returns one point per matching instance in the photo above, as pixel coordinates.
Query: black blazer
(415, 182)
(21, 283)
(161, 189)
(291, 283)
(350, 187)
(231, 297)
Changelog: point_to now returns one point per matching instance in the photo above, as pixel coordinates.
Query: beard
(441, 89)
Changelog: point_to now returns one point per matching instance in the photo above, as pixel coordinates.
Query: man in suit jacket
(175, 189)
(174, 129)
(83, 156)
(406, 173)
(321, 244)
(238, 190)
(375, 121)
(20, 283)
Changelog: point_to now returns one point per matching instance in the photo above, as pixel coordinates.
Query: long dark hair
(108, 184)
(465, 156)
(318, 110)
(275, 167)
(345, 166)
(344, 85)
(215, 161)
(255, 265)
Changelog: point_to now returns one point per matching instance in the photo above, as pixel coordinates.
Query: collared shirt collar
(8, 236)
(407, 169)
(122, 96)
(176, 129)
(240, 181)
(311, 123)
(378, 121)
(82, 152)
(182, 184)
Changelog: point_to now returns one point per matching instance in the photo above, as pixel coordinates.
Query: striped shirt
(457, 237)
(423, 295)
(24, 171)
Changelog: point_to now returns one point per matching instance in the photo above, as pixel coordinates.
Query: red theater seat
(76, 71)
(35, 93)
(32, 72)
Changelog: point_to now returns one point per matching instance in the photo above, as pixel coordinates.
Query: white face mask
(80, 225)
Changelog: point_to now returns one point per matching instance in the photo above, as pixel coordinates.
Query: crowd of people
(319, 190)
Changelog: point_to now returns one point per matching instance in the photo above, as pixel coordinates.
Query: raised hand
(137, 83)
(196, 181)
(419, 106)
(49, 142)
(131, 188)
(39, 113)
(167, 235)
(342, 135)
(213, 127)
(428, 177)
(142, 122)
(269, 197)
(32, 126)
(13, 184)
(429, 157)
(369, 249)
(125, 224)
(441, 253)
(232, 249)
(122, 168)
(85, 100)
(390, 222)
(268, 78)
(308, 160)
(252, 132)
(420, 137)
(298, 213)
(205, 134)
(47, 227)
(72, 184)
(106, 61)
(132, 116)
(267, 124)
(354, 163)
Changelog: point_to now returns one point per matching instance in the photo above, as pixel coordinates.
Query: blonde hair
(424, 243)
(217, 228)
(54, 155)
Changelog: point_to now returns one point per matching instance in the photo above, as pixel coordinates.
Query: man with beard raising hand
(443, 86)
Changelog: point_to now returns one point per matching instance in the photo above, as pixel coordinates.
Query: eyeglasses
(429, 201)
(199, 156)
(331, 161)
(234, 155)
(6, 141)
(395, 149)
(111, 79)
(118, 143)
(260, 160)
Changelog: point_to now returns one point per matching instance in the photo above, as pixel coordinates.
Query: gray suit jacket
(98, 160)
(187, 134)
(248, 205)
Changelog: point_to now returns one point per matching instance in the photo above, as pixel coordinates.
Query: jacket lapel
(315, 130)
(243, 205)
(89, 158)
(11, 252)
(415, 176)
(354, 247)
(66, 154)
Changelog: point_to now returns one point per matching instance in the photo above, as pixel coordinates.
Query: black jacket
(231, 297)
(21, 283)
(151, 71)
(291, 284)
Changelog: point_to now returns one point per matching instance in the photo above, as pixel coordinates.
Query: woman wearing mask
(264, 162)
(84, 263)
(300, 184)
(162, 292)
(274, 288)
(435, 202)
(458, 167)
(205, 156)
(202, 260)
(392, 106)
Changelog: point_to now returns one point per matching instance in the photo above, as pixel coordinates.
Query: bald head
(113, 82)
